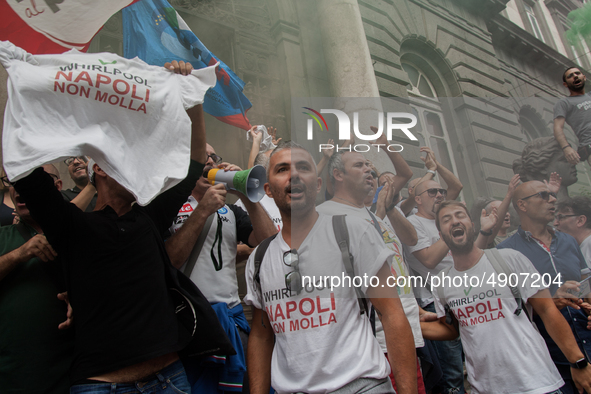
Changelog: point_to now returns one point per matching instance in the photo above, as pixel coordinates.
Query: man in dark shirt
(127, 334)
(77, 167)
(556, 256)
(35, 355)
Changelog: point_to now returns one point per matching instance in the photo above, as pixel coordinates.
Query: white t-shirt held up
(127, 115)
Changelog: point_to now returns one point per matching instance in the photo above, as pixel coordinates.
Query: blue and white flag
(156, 33)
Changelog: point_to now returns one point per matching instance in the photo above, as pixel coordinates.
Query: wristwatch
(486, 233)
(579, 364)
(431, 172)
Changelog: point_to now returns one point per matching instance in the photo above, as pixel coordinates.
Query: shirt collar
(528, 235)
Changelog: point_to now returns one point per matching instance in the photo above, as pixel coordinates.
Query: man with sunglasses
(428, 257)
(77, 168)
(214, 265)
(35, 355)
(574, 218)
(504, 352)
(556, 254)
(307, 337)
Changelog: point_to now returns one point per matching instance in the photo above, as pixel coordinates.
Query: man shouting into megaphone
(205, 236)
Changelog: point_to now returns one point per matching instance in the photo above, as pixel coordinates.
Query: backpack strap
(339, 226)
(375, 223)
(259, 255)
(194, 255)
(500, 266)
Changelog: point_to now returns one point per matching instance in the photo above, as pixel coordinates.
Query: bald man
(428, 257)
(557, 256)
(35, 355)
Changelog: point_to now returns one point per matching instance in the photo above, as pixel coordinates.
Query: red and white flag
(55, 26)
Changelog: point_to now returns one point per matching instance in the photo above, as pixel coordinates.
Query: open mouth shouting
(457, 233)
(295, 191)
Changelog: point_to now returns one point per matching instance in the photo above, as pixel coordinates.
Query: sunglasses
(216, 159)
(559, 217)
(433, 192)
(70, 160)
(545, 195)
(293, 280)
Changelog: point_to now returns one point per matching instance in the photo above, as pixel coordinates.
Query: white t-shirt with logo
(127, 115)
(270, 207)
(427, 234)
(398, 267)
(216, 285)
(504, 352)
(322, 341)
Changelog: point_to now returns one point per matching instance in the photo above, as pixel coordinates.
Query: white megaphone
(248, 182)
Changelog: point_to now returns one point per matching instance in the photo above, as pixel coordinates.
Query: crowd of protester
(84, 277)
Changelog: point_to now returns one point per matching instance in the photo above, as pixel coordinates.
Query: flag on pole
(54, 26)
(156, 33)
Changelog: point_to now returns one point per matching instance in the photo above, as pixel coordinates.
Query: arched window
(419, 83)
(430, 129)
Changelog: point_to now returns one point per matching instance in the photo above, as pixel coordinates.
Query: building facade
(481, 76)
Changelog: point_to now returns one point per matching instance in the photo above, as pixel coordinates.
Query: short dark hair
(579, 205)
(450, 203)
(286, 145)
(565, 71)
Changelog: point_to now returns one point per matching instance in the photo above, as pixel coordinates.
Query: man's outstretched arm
(561, 333)
(399, 338)
(569, 152)
(259, 352)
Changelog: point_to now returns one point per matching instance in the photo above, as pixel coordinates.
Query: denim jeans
(170, 380)
(449, 354)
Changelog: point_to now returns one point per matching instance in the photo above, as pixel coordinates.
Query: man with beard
(574, 111)
(504, 352)
(307, 337)
(428, 257)
(556, 255)
(78, 169)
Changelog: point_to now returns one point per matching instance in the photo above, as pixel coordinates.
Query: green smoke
(580, 20)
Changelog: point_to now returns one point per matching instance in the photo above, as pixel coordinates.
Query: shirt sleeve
(530, 281)
(368, 249)
(439, 308)
(253, 288)
(423, 238)
(243, 224)
(164, 208)
(560, 109)
(9, 52)
(193, 87)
